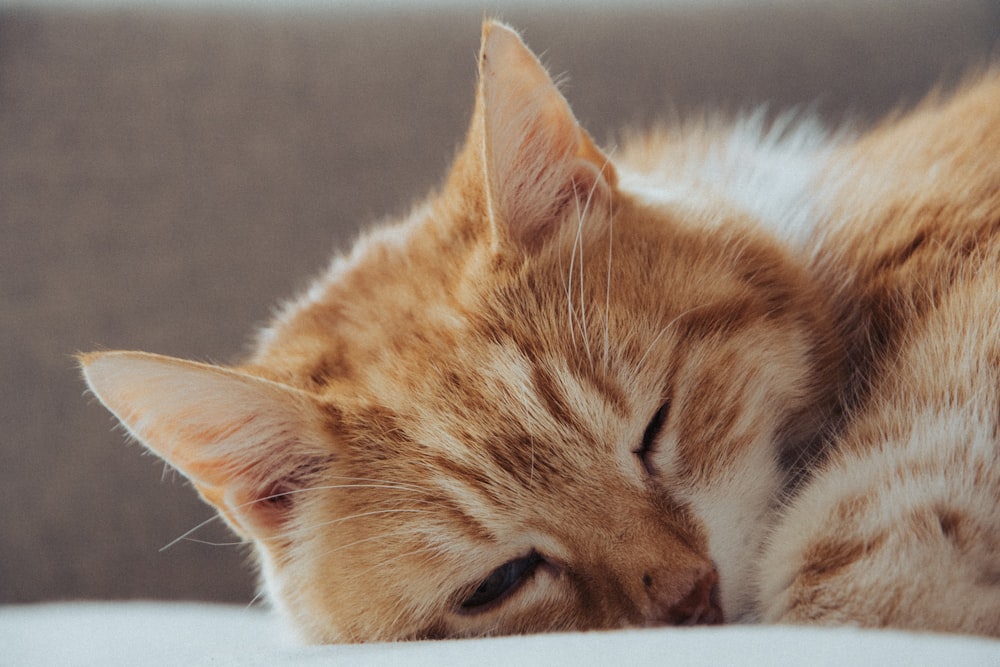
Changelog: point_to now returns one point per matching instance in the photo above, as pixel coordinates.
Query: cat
(738, 373)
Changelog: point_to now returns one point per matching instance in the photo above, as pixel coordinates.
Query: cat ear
(245, 442)
(536, 158)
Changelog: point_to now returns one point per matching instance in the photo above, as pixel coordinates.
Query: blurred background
(169, 172)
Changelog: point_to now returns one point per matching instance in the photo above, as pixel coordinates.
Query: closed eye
(648, 445)
(501, 583)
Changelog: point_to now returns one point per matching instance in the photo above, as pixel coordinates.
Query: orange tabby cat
(734, 373)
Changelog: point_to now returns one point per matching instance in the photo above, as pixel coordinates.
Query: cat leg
(906, 535)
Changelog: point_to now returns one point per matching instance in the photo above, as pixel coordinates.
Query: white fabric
(162, 633)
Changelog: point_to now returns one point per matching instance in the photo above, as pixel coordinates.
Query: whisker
(368, 484)
(578, 245)
(327, 487)
(255, 599)
(359, 515)
(186, 534)
(578, 242)
(607, 290)
(569, 285)
(216, 544)
(667, 327)
(585, 327)
(375, 480)
(376, 484)
(581, 216)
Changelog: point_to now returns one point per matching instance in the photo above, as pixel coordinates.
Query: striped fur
(740, 373)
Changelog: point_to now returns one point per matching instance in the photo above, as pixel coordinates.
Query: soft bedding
(163, 633)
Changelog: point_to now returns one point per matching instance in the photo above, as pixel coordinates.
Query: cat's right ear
(530, 161)
(247, 444)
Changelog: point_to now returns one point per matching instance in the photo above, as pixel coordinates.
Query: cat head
(539, 403)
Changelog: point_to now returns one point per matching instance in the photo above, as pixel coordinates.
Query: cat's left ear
(245, 442)
(536, 157)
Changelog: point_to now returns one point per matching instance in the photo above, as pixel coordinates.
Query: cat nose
(698, 605)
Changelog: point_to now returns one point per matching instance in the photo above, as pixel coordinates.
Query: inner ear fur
(248, 444)
(529, 155)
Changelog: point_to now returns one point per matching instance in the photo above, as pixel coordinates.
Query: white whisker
(359, 515)
(583, 296)
(216, 544)
(376, 484)
(255, 599)
(399, 485)
(186, 534)
(667, 327)
(607, 291)
(326, 487)
(569, 286)
(578, 242)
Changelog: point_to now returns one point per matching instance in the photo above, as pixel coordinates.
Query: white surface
(158, 633)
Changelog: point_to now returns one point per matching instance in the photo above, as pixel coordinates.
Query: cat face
(508, 478)
(540, 403)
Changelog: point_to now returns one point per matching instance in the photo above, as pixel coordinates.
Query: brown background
(166, 176)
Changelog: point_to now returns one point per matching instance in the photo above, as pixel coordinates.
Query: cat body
(726, 374)
(908, 504)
